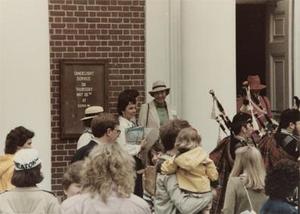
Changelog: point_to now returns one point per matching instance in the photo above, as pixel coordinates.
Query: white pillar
(25, 74)
(157, 38)
(296, 43)
(208, 62)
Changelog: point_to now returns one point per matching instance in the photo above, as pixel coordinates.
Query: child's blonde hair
(187, 139)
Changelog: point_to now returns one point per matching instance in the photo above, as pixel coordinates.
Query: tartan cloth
(221, 157)
(271, 152)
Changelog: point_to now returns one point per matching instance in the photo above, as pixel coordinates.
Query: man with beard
(287, 135)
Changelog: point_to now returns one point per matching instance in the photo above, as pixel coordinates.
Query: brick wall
(111, 30)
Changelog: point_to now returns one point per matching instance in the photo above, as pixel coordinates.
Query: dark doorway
(250, 42)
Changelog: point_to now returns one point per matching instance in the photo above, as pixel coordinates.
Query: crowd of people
(155, 163)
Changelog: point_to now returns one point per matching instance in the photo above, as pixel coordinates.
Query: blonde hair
(249, 161)
(108, 168)
(187, 139)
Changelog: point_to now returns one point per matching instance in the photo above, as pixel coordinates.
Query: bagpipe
(261, 120)
(221, 118)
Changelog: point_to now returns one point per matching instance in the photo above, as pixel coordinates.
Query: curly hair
(187, 139)
(125, 98)
(282, 179)
(108, 168)
(169, 132)
(72, 174)
(249, 161)
(17, 137)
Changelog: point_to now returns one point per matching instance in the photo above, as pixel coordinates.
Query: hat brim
(87, 118)
(154, 91)
(257, 87)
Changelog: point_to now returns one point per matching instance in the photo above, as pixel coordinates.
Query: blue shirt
(277, 206)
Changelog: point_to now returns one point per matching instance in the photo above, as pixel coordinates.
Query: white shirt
(85, 138)
(125, 124)
(85, 204)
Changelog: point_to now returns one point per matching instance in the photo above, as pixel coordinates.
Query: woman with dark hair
(27, 197)
(281, 182)
(16, 139)
(127, 116)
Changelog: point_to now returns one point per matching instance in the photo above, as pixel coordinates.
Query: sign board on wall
(83, 84)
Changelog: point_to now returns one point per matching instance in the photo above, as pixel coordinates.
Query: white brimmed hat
(91, 112)
(159, 86)
(26, 159)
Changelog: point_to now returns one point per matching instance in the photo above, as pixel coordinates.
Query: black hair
(240, 120)
(17, 138)
(125, 98)
(288, 116)
(27, 177)
(282, 179)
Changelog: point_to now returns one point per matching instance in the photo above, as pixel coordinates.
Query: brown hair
(28, 177)
(101, 123)
(72, 174)
(187, 139)
(169, 132)
(17, 137)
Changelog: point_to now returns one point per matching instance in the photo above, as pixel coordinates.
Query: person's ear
(243, 129)
(292, 126)
(108, 131)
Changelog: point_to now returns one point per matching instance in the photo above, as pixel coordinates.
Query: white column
(296, 48)
(25, 74)
(175, 56)
(157, 38)
(208, 62)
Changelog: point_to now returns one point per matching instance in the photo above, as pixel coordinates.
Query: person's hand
(143, 144)
(214, 193)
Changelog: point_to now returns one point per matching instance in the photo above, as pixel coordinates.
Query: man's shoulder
(84, 151)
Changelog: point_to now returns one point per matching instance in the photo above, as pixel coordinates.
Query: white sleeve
(84, 139)
(131, 149)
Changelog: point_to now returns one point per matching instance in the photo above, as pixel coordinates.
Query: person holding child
(195, 172)
(169, 198)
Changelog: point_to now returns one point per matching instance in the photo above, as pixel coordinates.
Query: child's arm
(212, 173)
(169, 166)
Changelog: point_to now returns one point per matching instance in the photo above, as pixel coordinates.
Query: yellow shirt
(194, 170)
(6, 172)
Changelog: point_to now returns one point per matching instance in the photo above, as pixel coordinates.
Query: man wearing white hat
(87, 135)
(156, 113)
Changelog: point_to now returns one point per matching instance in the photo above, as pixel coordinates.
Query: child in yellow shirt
(195, 172)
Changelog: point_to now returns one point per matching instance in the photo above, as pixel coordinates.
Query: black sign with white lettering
(83, 84)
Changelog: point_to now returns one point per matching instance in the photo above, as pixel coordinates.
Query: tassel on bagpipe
(222, 115)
